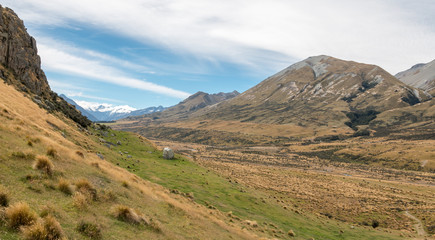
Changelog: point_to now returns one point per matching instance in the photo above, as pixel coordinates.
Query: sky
(144, 53)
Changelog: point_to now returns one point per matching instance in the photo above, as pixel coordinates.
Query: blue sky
(146, 53)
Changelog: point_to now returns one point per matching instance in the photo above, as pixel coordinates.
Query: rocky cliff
(20, 66)
(18, 53)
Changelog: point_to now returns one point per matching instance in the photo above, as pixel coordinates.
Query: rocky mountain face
(320, 90)
(20, 66)
(192, 104)
(420, 76)
(18, 53)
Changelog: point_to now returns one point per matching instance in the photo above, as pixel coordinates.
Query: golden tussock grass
(80, 201)
(64, 186)
(47, 228)
(44, 164)
(85, 187)
(126, 214)
(19, 215)
(52, 152)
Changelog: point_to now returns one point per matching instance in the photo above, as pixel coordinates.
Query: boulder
(168, 153)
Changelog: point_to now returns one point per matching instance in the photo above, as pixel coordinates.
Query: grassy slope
(180, 218)
(211, 189)
(21, 121)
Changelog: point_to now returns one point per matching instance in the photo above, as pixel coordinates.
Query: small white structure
(168, 153)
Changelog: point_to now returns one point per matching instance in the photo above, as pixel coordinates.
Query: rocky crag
(20, 65)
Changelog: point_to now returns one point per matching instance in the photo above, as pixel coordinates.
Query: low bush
(19, 215)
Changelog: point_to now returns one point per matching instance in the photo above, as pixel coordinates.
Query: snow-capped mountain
(108, 112)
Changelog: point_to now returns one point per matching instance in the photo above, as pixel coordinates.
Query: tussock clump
(126, 214)
(44, 164)
(52, 152)
(80, 154)
(30, 143)
(125, 184)
(22, 155)
(4, 197)
(80, 201)
(44, 229)
(89, 229)
(19, 215)
(154, 225)
(251, 223)
(291, 233)
(85, 187)
(109, 196)
(64, 186)
(47, 210)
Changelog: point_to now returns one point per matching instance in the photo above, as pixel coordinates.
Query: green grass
(210, 189)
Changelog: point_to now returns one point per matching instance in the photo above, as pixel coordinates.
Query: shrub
(126, 214)
(64, 186)
(125, 184)
(4, 197)
(80, 201)
(19, 215)
(44, 164)
(85, 187)
(44, 229)
(51, 152)
(29, 143)
(88, 229)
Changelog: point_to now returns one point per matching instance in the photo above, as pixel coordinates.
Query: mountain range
(106, 112)
(319, 96)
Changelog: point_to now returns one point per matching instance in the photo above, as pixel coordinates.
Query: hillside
(189, 106)
(319, 91)
(64, 180)
(319, 97)
(420, 76)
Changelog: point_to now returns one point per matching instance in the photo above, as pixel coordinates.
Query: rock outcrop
(18, 53)
(20, 65)
(168, 153)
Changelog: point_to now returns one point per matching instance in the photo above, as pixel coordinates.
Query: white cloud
(57, 60)
(392, 33)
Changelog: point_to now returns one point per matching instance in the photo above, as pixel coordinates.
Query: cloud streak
(393, 34)
(57, 60)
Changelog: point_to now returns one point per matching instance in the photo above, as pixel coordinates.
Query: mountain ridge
(421, 76)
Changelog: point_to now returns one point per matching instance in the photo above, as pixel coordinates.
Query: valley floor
(360, 194)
